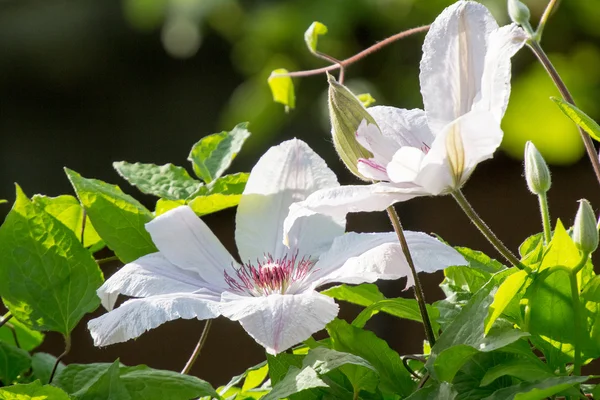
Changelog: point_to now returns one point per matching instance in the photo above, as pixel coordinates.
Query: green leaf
(67, 210)
(526, 369)
(311, 36)
(505, 294)
(296, 381)
(561, 250)
(28, 338)
(42, 365)
(222, 193)
(532, 250)
(398, 307)
(255, 376)
(118, 217)
(366, 99)
(443, 391)
(213, 154)
(537, 390)
(166, 181)
(48, 280)
(282, 88)
(280, 364)
(579, 117)
(464, 337)
(162, 206)
(32, 391)
(363, 295)
(394, 378)
(139, 383)
(13, 362)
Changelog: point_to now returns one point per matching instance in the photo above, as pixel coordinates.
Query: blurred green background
(84, 83)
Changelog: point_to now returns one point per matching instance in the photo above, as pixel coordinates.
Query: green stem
(5, 319)
(63, 355)
(419, 294)
(577, 323)
(485, 230)
(544, 19)
(545, 211)
(566, 95)
(198, 349)
(107, 259)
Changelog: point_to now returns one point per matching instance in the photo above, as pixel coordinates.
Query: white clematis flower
(465, 82)
(272, 294)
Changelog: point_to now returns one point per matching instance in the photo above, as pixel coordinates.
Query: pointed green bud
(518, 12)
(537, 173)
(585, 230)
(347, 112)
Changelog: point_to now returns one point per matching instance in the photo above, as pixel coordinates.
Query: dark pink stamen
(270, 275)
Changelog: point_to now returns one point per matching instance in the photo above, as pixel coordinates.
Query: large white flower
(465, 82)
(272, 293)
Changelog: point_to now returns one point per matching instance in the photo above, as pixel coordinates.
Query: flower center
(270, 276)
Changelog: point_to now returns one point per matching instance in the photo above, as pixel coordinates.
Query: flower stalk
(198, 349)
(5, 319)
(59, 358)
(545, 211)
(419, 294)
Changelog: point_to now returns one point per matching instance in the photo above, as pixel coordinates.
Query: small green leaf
(296, 381)
(13, 362)
(527, 369)
(537, 390)
(162, 206)
(28, 338)
(118, 217)
(48, 280)
(394, 378)
(398, 307)
(254, 377)
(363, 295)
(505, 294)
(224, 192)
(366, 99)
(213, 154)
(579, 117)
(280, 364)
(32, 391)
(282, 88)
(42, 365)
(311, 36)
(166, 181)
(108, 385)
(443, 391)
(67, 210)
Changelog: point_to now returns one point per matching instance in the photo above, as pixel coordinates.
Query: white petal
(278, 322)
(361, 257)
(371, 169)
(137, 316)
(405, 165)
(372, 139)
(285, 174)
(149, 275)
(453, 61)
(402, 127)
(186, 241)
(495, 87)
(339, 201)
(429, 254)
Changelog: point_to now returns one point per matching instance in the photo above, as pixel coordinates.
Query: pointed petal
(402, 127)
(429, 254)
(285, 174)
(361, 257)
(495, 87)
(137, 316)
(405, 165)
(186, 241)
(339, 201)
(278, 322)
(149, 275)
(453, 61)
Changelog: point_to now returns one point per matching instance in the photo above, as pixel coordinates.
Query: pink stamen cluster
(270, 275)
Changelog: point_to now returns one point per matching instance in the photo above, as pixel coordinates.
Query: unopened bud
(585, 230)
(518, 12)
(537, 173)
(347, 112)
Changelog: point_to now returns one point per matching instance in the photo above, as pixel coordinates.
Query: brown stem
(198, 349)
(419, 294)
(14, 333)
(59, 358)
(564, 92)
(83, 225)
(5, 319)
(359, 56)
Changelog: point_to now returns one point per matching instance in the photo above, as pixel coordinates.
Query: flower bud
(519, 13)
(347, 112)
(537, 173)
(585, 230)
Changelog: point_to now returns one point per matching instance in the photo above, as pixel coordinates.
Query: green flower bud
(585, 230)
(347, 112)
(537, 173)
(519, 13)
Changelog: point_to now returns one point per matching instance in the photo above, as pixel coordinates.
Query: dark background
(84, 83)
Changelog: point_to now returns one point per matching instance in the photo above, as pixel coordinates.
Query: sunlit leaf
(282, 88)
(504, 295)
(32, 391)
(28, 338)
(162, 206)
(537, 390)
(579, 117)
(311, 36)
(363, 295)
(366, 99)
(224, 192)
(442, 391)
